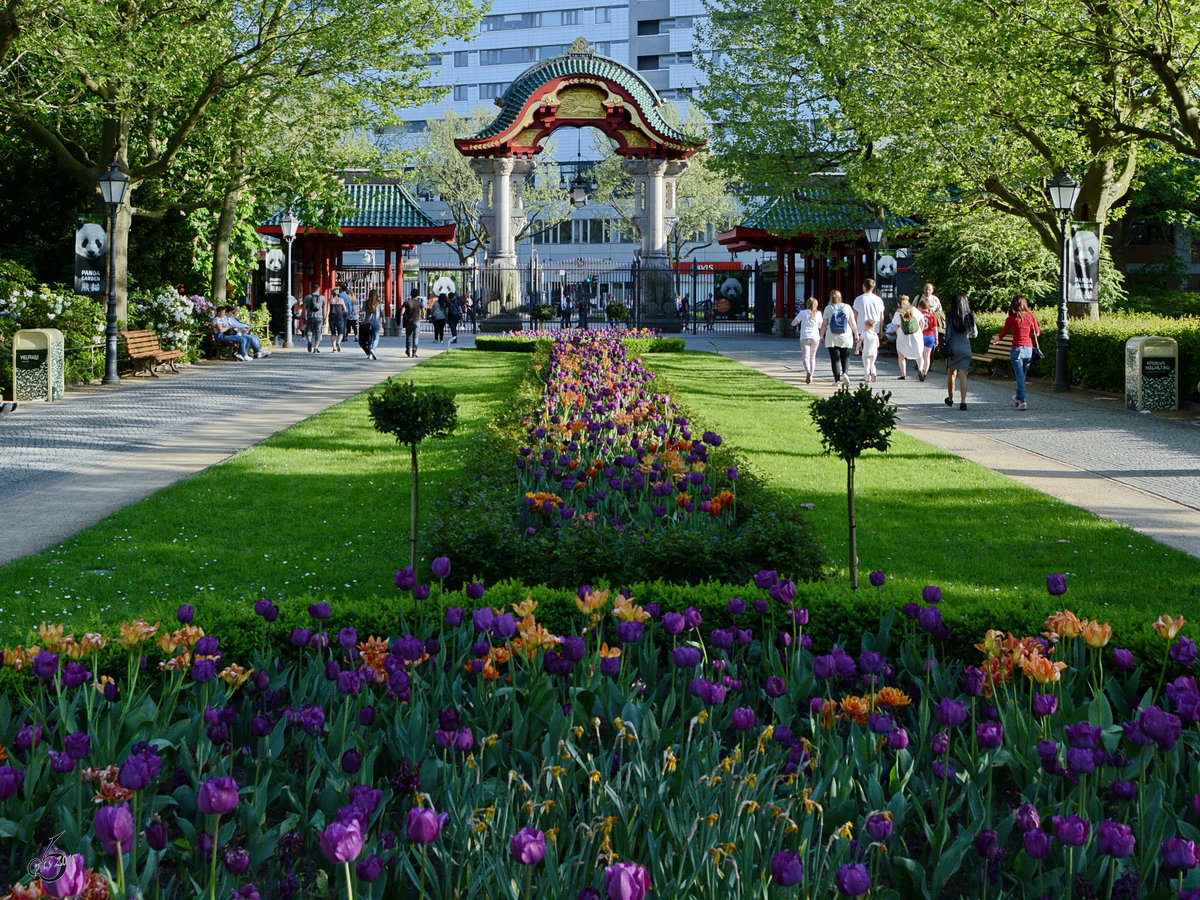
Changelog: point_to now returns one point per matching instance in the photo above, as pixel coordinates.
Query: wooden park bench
(997, 355)
(143, 348)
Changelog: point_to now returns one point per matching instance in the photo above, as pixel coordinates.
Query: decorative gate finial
(580, 47)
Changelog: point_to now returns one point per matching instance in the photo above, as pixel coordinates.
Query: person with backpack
(314, 317)
(437, 315)
(453, 315)
(910, 343)
(929, 337)
(840, 333)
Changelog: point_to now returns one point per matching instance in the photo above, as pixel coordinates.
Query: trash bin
(1151, 373)
(39, 364)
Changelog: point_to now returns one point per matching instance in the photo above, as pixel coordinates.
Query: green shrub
(1163, 303)
(506, 344)
(640, 346)
(25, 305)
(1097, 352)
(541, 312)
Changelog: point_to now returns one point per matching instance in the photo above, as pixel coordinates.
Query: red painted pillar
(387, 278)
(781, 274)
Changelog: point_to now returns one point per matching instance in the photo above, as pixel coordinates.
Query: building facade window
(460, 92)
(433, 59)
(507, 56)
(647, 63)
(603, 15)
(492, 90)
(462, 59)
(516, 20)
(648, 27)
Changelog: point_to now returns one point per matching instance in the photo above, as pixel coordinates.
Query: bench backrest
(999, 345)
(141, 343)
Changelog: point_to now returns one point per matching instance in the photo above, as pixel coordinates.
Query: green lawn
(320, 511)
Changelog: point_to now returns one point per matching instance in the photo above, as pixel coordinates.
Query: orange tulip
(1166, 627)
(1064, 624)
(1096, 634)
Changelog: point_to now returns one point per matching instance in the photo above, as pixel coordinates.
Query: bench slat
(144, 345)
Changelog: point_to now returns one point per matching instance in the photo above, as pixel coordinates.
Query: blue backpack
(837, 320)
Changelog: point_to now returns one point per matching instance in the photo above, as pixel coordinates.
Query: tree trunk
(225, 222)
(412, 512)
(853, 526)
(121, 256)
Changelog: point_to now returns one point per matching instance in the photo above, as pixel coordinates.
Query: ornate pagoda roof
(379, 208)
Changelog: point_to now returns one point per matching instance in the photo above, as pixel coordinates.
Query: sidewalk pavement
(65, 466)
(1082, 447)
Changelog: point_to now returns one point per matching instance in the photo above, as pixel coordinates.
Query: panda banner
(90, 257)
(1083, 273)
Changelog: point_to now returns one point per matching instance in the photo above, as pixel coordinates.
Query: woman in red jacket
(1022, 325)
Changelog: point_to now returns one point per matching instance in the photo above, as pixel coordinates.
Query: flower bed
(643, 751)
(617, 484)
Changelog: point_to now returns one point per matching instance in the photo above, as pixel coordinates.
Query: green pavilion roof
(820, 208)
(378, 205)
(580, 63)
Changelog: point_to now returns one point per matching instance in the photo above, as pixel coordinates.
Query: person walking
(453, 315)
(1023, 327)
(809, 321)
(868, 307)
(564, 312)
(337, 321)
(437, 315)
(352, 314)
(960, 328)
(909, 340)
(929, 337)
(410, 318)
(372, 325)
(840, 333)
(314, 317)
(710, 314)
(868, 348)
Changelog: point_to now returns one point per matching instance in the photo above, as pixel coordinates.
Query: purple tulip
(45, 665)
(735, 607)
(528, 846)
(898, 739)
(134, 774)
(877, 578)
(114, 827)
(1125, 791)
(852, 880)
(421, 592)
(987, 844)
(764, 578)
(630, 632)
(1071, 831)
(185, 614)
(943, 770)
(1027, 817)
(1082, 735)
(775, 687)
(217, 796)
(474, 591)
(441, 567)
(686, 657)
(940, 745)
(351, 761)
(1056, 585)
(319, 610)
(931, 593)
(1183, 651)
(783, 592)
(369, 869)
(1080, 761)
(744, 718)
(824, 667)
(406, 578)
(247, 892)
(77, 744)
(342, 842)
(1180, 854)
(1161, 727)
(673, 623)
(610, 666)
(989, 735)
(1185, 698)
(786, 868)
(237, 860)
(950, 713)
(157, 836)
(1114, 839)
(504, 626)
(424, 825)
(626, 881)
(75, 674)
(879, 827)
(1037, 843)
(483, 619)
(1122, 659)
(67, 880)
(1044, 704)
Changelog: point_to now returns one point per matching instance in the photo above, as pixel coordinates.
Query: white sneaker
(262, 354)
(240, 357)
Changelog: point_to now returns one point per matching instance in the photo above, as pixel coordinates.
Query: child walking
(868, 346)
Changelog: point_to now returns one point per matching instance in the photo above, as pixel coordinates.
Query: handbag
(1037, 349)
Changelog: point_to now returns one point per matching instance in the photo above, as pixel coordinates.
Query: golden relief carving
(527, 138)
(581, 103)
(634, 138)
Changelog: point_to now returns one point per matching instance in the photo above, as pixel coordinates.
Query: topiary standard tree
(851, 422)
(412, 416)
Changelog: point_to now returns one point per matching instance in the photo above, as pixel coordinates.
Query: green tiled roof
(378, 206)
(580, 63)
(820, 208)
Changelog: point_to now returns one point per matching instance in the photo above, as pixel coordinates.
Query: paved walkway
(1084, 448)
(65, 466)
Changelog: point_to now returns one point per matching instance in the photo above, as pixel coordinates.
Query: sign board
(1083, 274)
(91, 245)
(276, 262)
(1160, 367)
(30, 360)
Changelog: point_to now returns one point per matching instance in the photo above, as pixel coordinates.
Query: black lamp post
(114, 184)
(874, 234)
(288, 226)
(1063, 192)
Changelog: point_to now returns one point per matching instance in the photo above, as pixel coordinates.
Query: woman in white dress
(809, 322)
(910, 343)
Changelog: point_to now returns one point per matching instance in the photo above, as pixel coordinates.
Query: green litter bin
(39, 364)
(1151, 374)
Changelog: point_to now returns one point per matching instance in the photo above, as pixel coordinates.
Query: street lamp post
(289, 225)
(114, 184)
(1063, 192)
(874, 234)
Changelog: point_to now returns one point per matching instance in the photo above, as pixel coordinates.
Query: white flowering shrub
(79, 318)
(167, 313)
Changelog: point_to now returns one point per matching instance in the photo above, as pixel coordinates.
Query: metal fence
(721, 301)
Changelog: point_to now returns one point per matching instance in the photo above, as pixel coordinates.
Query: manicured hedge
(634, 346)
(1097, 355)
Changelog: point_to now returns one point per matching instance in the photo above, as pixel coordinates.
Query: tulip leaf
(9, 828)
(910, 877)
(949, 862)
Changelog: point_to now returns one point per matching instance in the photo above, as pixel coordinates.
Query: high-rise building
(653, 37)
